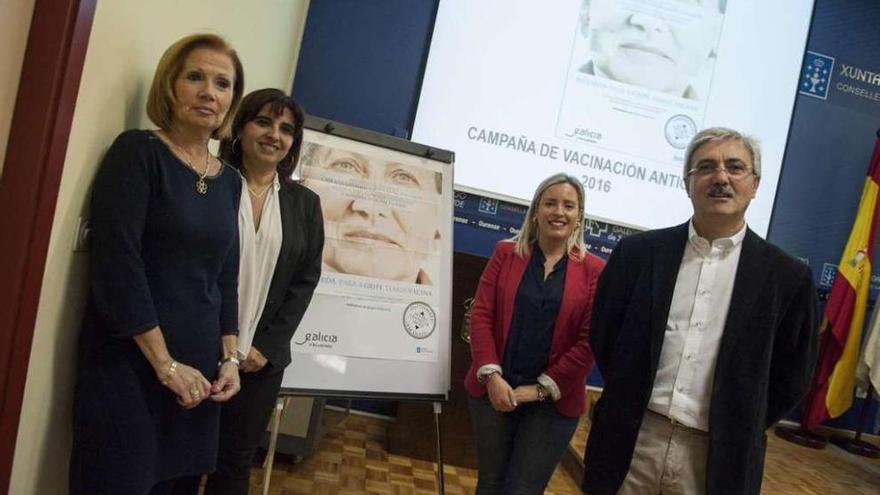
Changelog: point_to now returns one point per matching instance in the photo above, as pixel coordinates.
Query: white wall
(127, 39)
(15, 22)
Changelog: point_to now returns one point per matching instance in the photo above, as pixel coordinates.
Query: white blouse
(258, 255)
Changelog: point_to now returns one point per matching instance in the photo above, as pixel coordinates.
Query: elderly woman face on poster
(658, 44)
(381, 217)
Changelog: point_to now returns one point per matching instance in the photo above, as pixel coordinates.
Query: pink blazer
(570, 359)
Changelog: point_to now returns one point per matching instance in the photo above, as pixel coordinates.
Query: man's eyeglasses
(733, 169)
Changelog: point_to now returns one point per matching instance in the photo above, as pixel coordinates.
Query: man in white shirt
(705, 336)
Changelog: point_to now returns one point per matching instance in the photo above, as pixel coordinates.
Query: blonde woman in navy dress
(281, 231)
(157, 350)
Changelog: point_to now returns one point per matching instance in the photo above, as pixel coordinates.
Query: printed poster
(385, 234)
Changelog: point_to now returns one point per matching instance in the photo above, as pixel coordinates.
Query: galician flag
(841, 331)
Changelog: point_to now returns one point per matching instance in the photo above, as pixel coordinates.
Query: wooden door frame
(37, 146)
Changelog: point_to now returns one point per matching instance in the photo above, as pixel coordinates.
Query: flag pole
(802, 435)
(844, 312)
(857, 445)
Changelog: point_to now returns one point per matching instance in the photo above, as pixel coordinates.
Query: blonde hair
(528, 233)
(161, 98)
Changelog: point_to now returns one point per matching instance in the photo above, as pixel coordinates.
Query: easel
(273, 441)
(332, 373)
(282, 402)
(441, 479)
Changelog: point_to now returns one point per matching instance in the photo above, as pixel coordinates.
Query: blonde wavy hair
(528, 233)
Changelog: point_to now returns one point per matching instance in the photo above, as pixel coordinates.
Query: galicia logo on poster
(585, 134)
(816, 75)
(317, 339)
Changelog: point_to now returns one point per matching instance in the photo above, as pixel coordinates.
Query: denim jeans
(518, 451)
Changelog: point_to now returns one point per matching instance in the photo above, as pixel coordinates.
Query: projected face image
(381, 218)
(657, 44)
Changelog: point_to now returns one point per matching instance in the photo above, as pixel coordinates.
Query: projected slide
(610, 91)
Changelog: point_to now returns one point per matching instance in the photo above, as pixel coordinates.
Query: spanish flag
(841, 331)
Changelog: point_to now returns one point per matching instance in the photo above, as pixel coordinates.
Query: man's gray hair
(722, 134)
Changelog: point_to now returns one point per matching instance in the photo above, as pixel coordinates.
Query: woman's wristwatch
(484, 379)
(230, 359)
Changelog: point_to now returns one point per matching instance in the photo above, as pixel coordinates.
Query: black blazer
(296, 274)
(764, 365)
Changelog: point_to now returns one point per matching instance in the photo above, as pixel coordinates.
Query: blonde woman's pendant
(201, 186)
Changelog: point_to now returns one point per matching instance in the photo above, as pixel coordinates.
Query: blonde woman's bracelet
(542, 392)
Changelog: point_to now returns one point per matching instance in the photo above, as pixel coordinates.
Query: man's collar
(726, 242)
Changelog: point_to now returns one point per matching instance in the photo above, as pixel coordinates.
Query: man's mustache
(721, 190)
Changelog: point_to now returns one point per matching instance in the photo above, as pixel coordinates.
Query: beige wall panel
(128, 37)
(15, 21)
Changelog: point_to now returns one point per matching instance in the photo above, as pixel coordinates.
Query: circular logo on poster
(419, 320)
(679, 131)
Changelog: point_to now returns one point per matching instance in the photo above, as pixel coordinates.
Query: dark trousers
(242, 422)
(518, 451)
(187, 485)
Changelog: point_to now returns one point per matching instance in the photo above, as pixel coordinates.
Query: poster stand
(327, 369)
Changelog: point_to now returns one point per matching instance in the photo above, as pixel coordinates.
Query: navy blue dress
(160, 254)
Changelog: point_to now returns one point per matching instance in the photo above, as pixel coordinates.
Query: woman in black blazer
(281, 237)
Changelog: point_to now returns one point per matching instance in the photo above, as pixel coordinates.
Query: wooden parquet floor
(352, 460)
(790, 469)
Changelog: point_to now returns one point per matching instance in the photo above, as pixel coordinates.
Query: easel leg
(273, 439)
(441, 479)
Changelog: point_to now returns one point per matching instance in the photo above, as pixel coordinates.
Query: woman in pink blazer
(529, 329)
